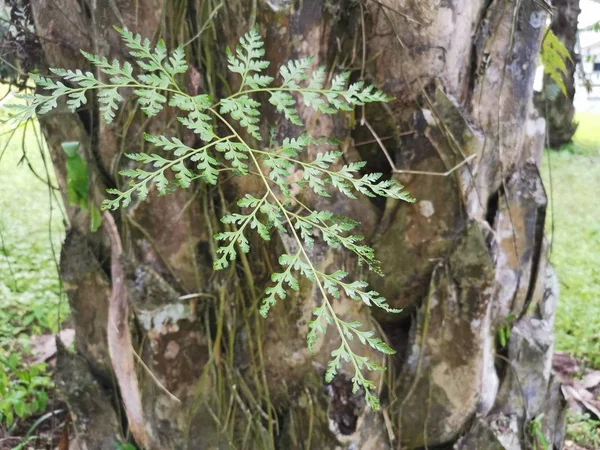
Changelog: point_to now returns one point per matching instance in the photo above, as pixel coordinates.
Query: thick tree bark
(465, 261)
(558, 108)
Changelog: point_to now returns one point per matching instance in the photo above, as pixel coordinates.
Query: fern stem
(305, 164)
(298, 90)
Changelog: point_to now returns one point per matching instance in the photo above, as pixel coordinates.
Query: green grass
(572, 179)
(32, 231)
(31, 300)
(574, 228)
(587, 139)
(583, 430)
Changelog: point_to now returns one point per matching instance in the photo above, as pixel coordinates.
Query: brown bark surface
(465, 260)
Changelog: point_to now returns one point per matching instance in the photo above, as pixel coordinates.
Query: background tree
(555, 102)
(466, 262)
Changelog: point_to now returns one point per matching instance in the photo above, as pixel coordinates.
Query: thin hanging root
(439, 174)
(379, 141)
(372, 141)
(388, 425)
(207, 23)
(400, 13)
(156, 380)
(196, 295)
(427, 411)
(365, 122)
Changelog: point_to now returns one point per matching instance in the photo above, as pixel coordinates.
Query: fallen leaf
(583, 397)
(590, 381)
(43, 347)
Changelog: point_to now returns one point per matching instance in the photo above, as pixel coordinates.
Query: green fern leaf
(247, 60)
(176, 64)
(244, 110)
(234, 152)
(150, 100)
(554, 56)
(294, 72)
(285, 103)
(109, 102)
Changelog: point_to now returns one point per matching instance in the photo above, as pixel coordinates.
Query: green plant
(537, 434)
(30, 294)
(22, 388)
(583, 430)
(77, 183)
(505, 329)
(126, 446)
(574, 217)
(276, 208)
(554, 56)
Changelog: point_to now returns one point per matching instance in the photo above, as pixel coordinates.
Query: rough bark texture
(558, 108)
(465, 261)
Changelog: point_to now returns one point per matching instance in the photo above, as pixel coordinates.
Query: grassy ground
(30, 293)
(28, 277)
(572, 179)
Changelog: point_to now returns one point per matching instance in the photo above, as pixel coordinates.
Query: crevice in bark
(477, 48)
(369, 149)
(398, 336)
(344, 407)
(492, 207)
(479, 57)
(86, 8)
(537, 256)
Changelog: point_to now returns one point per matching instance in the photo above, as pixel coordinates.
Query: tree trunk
(466, 262)
(558, 108)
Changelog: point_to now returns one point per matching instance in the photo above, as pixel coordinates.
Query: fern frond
(294, 72)
(554, 56)
(355, 290)
(140, 179)
(235, 153)
(177, 165)
(176, 64)
(247, 60)
(228, 253)
(244, 110)
(291, 262)
(119, 75)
